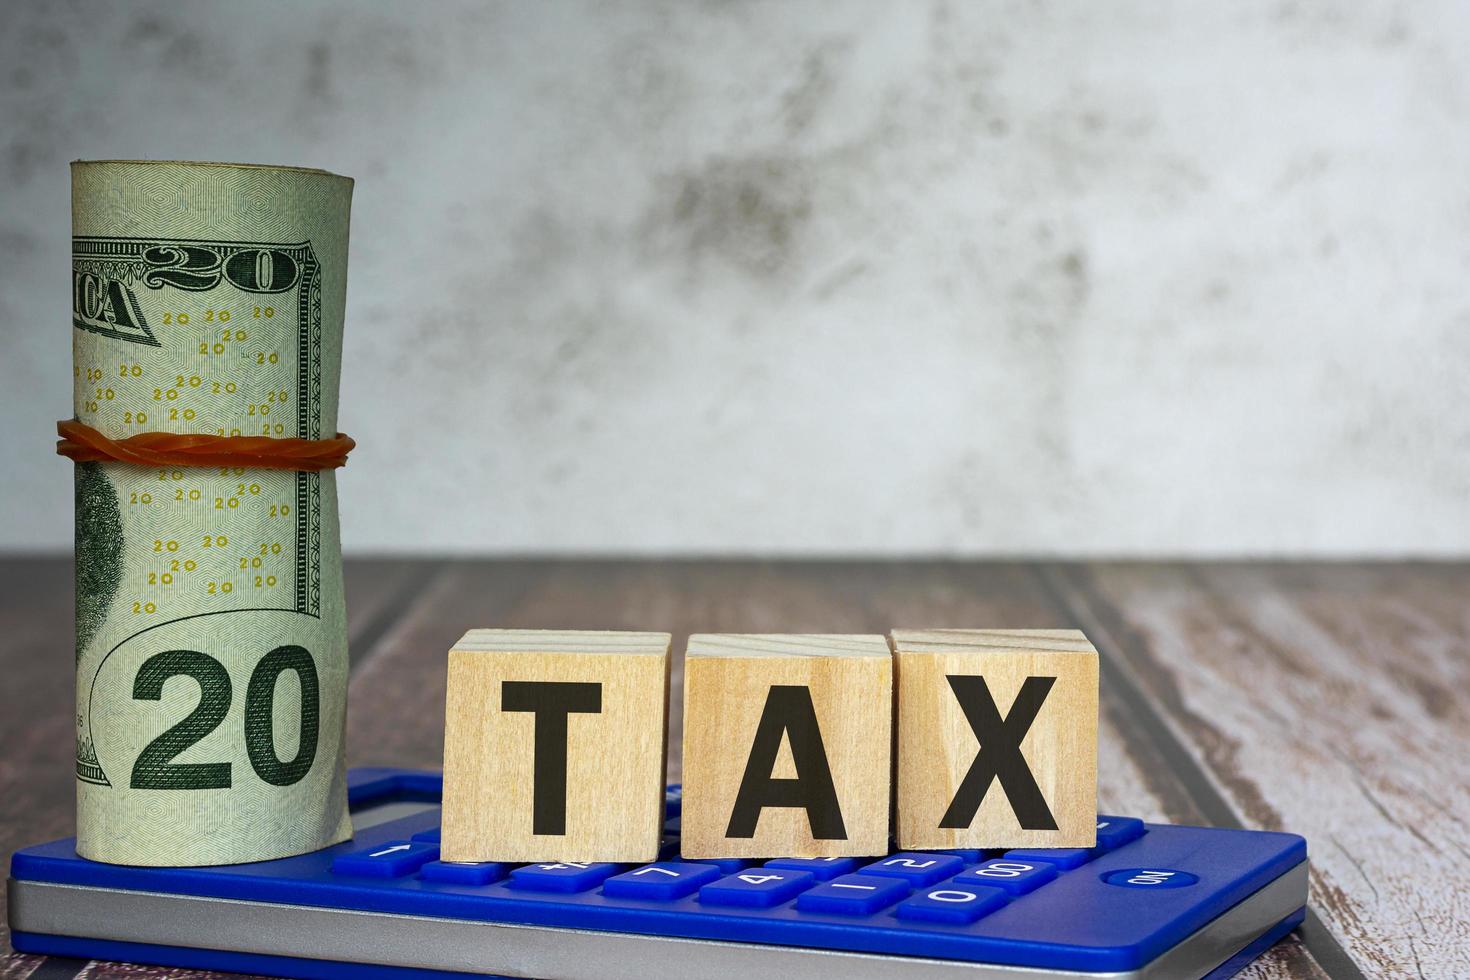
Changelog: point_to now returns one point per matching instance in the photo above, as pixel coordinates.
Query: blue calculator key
(427, 836)
(664, 881)
(1065, 858)
(917, 869)
(671, 825)
(560, 876)
(859, 894)
(1114, 832)
(1150, 878)
(726, 865)
(1016, 877)
(823, 869)
(455, 873)
(757, 888)
(674, 800)
(394, 859)
(952, 904)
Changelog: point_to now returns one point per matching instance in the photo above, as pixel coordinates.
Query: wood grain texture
(1051, 673)
(608, 803)
(1328, 701)
(37, 656)
(731, 682)
(1223, 688)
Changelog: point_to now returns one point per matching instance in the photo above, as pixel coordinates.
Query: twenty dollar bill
(211, 634)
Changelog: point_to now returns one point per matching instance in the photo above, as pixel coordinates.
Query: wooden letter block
(554, 746)
(997, 739)
(787, 743)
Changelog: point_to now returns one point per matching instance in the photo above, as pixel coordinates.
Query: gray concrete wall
(903, 277)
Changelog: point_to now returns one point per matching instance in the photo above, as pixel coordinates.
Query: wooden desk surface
(1324, 699)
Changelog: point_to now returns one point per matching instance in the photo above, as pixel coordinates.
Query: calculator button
(949, 903)
(672, 826)
(394, 859)
(560, 876)
(757, 888)
(917, 869)
(823, 869)
(455, 873)
(1150, 878)
(674, 800)
(1065, 858)
(427, 836)
(1016, 877)
(1114, 832)
(859, 894)
(664, 881)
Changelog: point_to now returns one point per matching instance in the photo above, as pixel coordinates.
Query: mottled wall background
(961, 278)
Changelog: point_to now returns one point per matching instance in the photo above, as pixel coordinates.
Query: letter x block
(554, 746)
(787, 743)
(997, 738)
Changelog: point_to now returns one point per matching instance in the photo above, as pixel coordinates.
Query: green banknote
(211, 633)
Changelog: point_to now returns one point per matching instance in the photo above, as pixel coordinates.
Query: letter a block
(997, 738)
(787, 744)
(554, 746)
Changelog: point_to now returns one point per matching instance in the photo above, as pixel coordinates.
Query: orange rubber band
(84, 444)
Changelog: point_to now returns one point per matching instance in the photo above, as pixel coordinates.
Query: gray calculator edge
(472, 946)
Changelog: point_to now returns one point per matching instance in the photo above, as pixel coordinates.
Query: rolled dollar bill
(211, 633)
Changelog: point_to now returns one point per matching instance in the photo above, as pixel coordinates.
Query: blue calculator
(1150, 900)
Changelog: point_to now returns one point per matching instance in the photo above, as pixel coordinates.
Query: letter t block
(787, 745)
(554, 746)
(997, 739)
